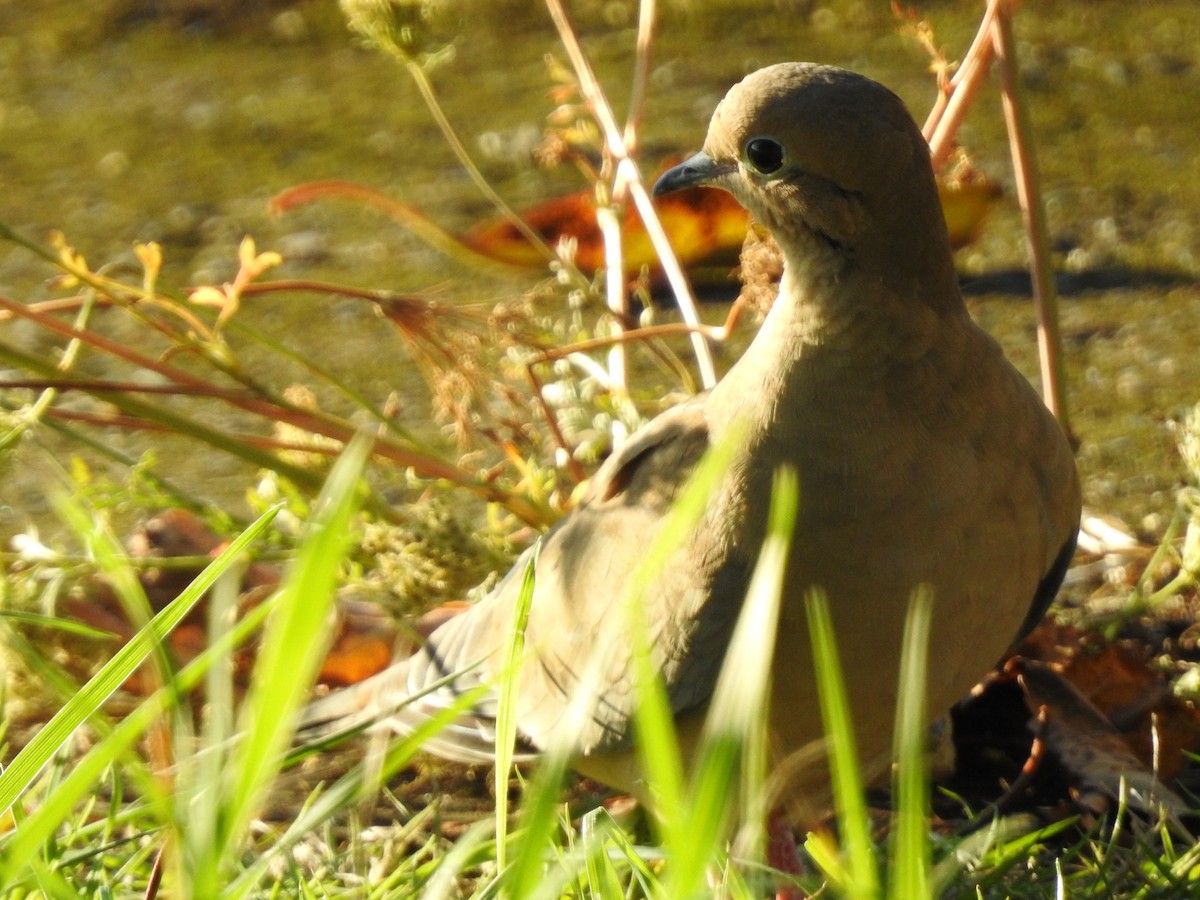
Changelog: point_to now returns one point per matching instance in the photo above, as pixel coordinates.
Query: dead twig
(1045, 297)
(994, 42)
(627, 173)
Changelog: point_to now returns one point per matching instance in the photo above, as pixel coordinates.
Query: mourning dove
(923, 457)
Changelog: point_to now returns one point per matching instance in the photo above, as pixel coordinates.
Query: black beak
(697, 170)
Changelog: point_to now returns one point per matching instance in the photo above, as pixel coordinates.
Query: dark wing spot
(1048, 587)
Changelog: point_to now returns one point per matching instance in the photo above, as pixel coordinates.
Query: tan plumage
(923, 457)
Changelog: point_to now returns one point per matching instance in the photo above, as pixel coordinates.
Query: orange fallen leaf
(354, 658)
(706, 228)
(1120, 679)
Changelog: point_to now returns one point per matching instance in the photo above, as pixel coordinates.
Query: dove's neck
(833, 337)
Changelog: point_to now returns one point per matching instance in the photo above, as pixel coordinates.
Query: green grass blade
(506, 713)
(34, 755)
(294, 643)
(1006, 844)
(910, 851)
(197, 803)
(444, 883)
(657, 742)
(109, 556)
(658, 745)
(31, 834)
(598, 832)
(538, 823)
(732, 757)
(53, 623)
(862, 877)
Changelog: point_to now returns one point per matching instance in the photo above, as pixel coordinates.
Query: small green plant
(291, 650)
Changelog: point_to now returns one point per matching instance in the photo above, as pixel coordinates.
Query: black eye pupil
(765, 155)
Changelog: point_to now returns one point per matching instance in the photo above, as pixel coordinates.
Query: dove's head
(833, 165)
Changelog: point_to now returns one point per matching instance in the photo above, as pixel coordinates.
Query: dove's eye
(765, 155)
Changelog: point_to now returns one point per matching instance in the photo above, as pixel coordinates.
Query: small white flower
(31, 549)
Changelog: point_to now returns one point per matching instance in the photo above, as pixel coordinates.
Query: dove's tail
(408, 698)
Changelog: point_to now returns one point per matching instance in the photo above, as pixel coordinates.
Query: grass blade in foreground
(856, 874)
(20, 774)
(506, 718)
(657, 744)
(34, 755)
(534, 843)
(861, 877)
(294, 642)
(910, 842)
(732, 757)
(352, 787)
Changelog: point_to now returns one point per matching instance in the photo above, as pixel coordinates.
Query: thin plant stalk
(994, 42)
(952, 103)
(1025, 168)
(617, 298)
(647, 10)
(616, 290)
(627, 173)
(425, 87)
